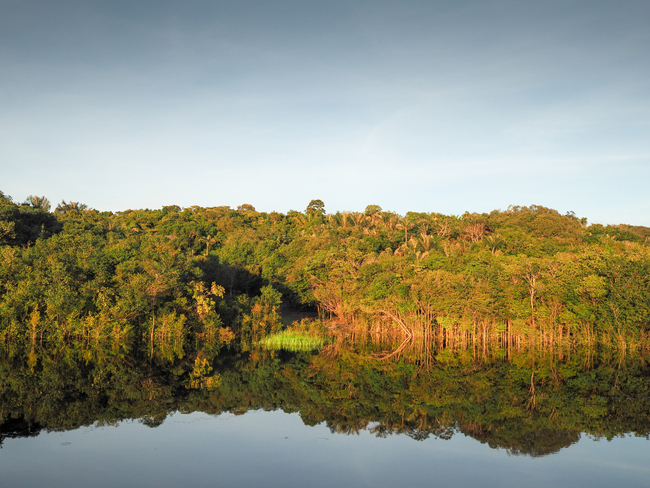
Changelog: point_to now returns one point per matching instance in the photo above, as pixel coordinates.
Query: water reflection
(530, 404)
(274, 449)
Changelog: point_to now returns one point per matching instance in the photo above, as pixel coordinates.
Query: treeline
(526, 275)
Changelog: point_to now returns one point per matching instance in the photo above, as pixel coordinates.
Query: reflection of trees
(535, 443)
(350, 392)
(14, 428)
(418, 433)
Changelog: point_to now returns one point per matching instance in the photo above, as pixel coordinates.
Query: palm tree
(358, 219)
(39, 202)
(406, 225)
(344, 219)
(208, 241)
(65, 207)
(426, 241)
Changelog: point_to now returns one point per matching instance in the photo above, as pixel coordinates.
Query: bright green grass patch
(292, 340)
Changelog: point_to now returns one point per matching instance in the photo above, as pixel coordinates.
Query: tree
(209, 240)
(38, 202)
(65, 207)
(8, 212)
(372, 210)
(316, 207)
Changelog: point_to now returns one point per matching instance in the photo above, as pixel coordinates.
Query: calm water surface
(264, 448)
(337, 418)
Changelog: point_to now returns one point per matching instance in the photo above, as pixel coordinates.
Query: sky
(428, 106)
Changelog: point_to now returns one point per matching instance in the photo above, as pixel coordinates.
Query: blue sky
(425, 106)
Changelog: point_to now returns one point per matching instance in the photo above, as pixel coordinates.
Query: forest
(174, 278)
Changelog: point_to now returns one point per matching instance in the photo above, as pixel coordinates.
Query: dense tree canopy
(173, 275)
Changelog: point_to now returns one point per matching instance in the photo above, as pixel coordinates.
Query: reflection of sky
(427, 106)
(275, 449)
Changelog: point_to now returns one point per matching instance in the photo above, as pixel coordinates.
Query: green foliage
(22, 225)
(85, 295)
(316, 207)
(292, 340)
(146, 275)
